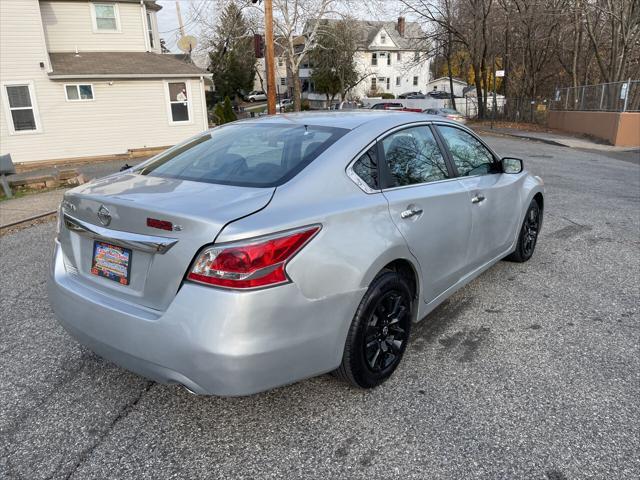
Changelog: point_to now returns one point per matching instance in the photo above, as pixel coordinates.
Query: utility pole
(180, 24)
(269, 55)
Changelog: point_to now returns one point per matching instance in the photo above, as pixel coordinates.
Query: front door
(493, 195)
(428, 205)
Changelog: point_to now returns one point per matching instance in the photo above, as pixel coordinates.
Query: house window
(398, 56)
(105, 17)
(150, 30)
(415, 81)
(397, 81)
(78, 93)
(280, 62)
(179, 102)
(383, 38)
(374, 58)
(416, 56)
(388, 83)
(22, 108)
(389, 58)
(374, 83)
(283, 81)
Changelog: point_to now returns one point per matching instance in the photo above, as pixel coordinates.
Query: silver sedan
(267, 251)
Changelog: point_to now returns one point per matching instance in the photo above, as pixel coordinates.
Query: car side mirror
(511, 165)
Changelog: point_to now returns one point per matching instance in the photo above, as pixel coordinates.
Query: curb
(28, 219)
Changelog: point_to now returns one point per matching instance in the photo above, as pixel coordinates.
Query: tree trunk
(478, 82)
(453, 98)
(297, 91)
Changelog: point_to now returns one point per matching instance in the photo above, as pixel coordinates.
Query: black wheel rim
(386, 331)
(530, 231)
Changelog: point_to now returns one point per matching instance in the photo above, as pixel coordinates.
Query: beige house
(83, 78)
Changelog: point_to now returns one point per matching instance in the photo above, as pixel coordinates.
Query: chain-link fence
(605, 97)
(512, 109)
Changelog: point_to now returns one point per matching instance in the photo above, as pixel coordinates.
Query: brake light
(253, 263)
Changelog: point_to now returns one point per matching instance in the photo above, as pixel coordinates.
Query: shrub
(388, 96)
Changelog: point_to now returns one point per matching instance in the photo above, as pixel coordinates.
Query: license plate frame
(117, 267)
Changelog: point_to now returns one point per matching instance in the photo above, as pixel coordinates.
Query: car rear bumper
(210, 340)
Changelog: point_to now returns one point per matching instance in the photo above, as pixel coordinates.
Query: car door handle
(411, 212)
(478, 198)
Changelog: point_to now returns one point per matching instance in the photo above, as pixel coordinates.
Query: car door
(494, 196)
(427, 204)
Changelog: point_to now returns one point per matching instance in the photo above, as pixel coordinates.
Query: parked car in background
(440, 95)
(269, 250)
(387, 106)
(449, 113)
(284, 103)
(409, 95)
(256, 96)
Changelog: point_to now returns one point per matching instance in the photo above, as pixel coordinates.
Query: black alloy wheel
(528, 234)
(379, 332)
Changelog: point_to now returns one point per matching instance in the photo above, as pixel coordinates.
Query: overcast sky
(168, 20)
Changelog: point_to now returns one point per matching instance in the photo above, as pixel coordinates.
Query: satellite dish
(187, 43)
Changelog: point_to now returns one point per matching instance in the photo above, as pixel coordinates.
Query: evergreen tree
(232, 56)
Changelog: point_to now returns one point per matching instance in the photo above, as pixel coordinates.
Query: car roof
(348, 119)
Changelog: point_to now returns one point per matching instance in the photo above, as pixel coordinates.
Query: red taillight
(251, 264)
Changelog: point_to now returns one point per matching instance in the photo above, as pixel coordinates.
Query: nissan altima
(270, 250)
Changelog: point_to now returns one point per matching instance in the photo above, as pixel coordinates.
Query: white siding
(124, 114)
(69, 25)
(406, 69)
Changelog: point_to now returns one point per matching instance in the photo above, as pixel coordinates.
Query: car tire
(528, 234)
(379, 332)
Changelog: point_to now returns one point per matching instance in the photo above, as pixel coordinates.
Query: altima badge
(104, 215)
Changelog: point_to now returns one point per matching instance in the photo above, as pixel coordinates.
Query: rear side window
(245, 154)
(366, 167)
(413, 157)
(469, 155)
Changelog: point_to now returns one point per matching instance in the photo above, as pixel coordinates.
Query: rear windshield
(245, 154)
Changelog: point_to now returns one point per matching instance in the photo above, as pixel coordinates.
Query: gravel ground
(532, 371)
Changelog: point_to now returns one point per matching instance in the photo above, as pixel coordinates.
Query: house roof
(413, 38)
(120, 65)
(150, 4)
(439, 79)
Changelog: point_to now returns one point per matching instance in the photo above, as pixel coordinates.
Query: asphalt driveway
(531, 371)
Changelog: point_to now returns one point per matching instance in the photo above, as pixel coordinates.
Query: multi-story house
(82, 78)
(391, 57)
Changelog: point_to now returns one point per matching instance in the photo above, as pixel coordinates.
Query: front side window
(21, 108)
(413, 157)
(245, 154)
(469, 155)
(366, 167)
(79, 93)
(179, 102)
(105, 17)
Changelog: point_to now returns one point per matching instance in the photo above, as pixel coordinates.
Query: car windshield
(245, 154)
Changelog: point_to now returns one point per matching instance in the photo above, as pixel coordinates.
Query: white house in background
(442, 85)
(392, 57)
(83, 78)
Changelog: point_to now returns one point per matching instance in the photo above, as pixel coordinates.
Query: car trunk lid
(115, 210)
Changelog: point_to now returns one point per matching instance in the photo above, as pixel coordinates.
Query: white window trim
(167, 97)
(116, 12)
(34, 106)
(77, 85)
